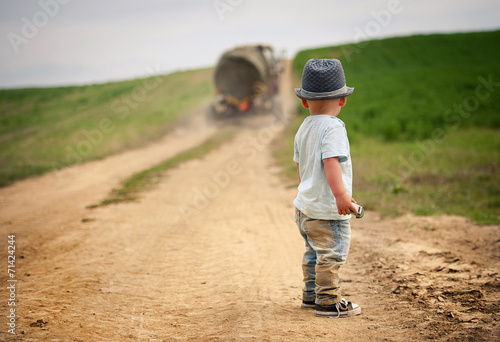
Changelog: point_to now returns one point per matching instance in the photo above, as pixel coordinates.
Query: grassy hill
(42, 129)
(406, 87)
(423, 123)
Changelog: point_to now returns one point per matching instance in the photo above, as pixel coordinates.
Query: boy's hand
(344, 204)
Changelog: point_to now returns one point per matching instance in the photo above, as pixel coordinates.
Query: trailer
(246, 81)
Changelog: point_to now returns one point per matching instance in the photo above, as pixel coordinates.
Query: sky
(78, 42)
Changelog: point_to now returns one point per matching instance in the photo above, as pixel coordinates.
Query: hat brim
(320, 97)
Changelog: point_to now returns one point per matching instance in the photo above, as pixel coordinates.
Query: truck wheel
(210, 113)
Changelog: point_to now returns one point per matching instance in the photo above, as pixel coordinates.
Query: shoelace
(341, 305)
(338, 306)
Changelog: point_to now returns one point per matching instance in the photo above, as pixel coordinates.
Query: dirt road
(213, 254)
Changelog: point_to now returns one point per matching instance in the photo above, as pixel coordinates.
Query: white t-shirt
(320, 137)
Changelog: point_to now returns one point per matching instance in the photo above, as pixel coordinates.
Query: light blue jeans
(327, 245)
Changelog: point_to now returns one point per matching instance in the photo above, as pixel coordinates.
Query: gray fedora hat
(323, 79)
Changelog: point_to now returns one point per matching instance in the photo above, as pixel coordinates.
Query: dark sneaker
(306, 304)
(338, 310)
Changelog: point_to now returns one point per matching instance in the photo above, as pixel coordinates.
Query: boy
(323, 202)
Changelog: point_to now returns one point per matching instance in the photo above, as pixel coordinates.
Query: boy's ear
(342, 101)
(305, 104)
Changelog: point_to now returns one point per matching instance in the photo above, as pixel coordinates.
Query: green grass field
(423, 123)
(43, 129)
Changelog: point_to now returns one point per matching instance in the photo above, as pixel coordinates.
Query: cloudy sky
(63, 42)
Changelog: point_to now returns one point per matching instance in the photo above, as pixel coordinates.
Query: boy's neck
(326, 113)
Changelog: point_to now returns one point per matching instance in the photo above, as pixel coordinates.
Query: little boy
(324, 202)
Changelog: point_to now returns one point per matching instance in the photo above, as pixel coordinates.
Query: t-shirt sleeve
(335, 144)
(295, 151)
